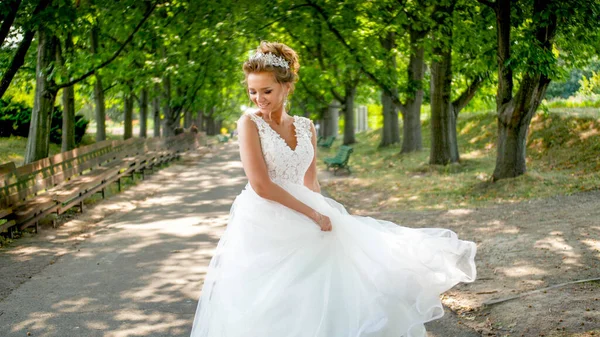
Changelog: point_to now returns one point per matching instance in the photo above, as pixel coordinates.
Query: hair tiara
(270, 59)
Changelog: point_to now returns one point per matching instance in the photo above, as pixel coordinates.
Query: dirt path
(521, 247)
(524, 247)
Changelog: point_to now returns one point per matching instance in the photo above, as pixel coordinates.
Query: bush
(15, 118)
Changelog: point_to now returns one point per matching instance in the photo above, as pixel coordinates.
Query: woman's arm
(310, 178)
(256, 171)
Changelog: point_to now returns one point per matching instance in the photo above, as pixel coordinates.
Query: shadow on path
(140, 272)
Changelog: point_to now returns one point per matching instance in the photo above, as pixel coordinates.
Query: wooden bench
(56, 184)
(340, 161)
(8, 174)
(326, 141)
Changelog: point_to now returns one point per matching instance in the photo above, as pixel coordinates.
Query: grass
(562, 158)
(13, 149)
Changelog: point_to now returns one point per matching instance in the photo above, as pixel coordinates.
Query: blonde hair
(282, 75)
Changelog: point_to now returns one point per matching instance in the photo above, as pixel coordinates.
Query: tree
(444, 110)
(539, 22)
(47, 87)
(362, 47)
(29, 31)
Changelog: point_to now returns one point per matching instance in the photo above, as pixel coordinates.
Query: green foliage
(590, 86)
(81, 124)
(375, 116)
(574, 102)
(572, 82)
(15, 118)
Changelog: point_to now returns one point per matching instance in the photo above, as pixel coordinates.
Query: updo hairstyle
(282, 75)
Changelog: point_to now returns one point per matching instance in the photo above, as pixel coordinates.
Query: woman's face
(266, 92)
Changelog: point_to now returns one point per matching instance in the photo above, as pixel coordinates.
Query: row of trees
(455, 46)
(181, 59)
(169, 57)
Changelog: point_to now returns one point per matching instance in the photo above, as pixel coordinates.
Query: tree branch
(8, 21)
(316, 95)
(395, 99)
(337, 95)
(115, 55)
(19, 57)
(466, 96)
(501, 300)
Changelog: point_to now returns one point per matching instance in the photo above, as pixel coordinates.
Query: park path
(138, 270)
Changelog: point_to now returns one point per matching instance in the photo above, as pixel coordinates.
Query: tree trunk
(513, 125)
(68, 102)
(38, 140)
(210, 126)
(349, 115)
(388, 136)
(411, 115)
(128, 118)
(144, 113)
(444, 147)
(200, 121)
(515, 113)
(187, 118)
(156, 111)
(330, 120)
(390, 131)
(98, 94)
(169, 122)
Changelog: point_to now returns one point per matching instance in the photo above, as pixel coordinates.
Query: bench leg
(81, 206)
(103, 193)
(119, 183)
(11, 232)
(37, 227)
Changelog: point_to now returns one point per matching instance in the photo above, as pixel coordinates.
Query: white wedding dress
(276, 274)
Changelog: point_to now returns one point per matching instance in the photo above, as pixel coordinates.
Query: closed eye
(251, 92)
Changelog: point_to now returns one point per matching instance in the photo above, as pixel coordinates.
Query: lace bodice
(283, 163)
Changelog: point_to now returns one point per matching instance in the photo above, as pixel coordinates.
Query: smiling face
(266, 92)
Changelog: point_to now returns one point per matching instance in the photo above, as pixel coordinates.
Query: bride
(293, 263)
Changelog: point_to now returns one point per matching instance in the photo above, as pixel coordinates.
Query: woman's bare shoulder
(246, 122)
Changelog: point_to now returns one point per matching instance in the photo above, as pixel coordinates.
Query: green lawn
(563, 157)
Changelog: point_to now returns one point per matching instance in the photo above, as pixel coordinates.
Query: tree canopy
(179, 62)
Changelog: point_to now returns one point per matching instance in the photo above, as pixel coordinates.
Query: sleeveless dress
(276, 274)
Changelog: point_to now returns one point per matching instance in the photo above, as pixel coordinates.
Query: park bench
(8, 173)
(340, 161)
(55, 184)
(326, 141)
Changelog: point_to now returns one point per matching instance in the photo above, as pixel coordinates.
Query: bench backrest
(17, 184)
(343, 153)
(8, 176)
(46, 173)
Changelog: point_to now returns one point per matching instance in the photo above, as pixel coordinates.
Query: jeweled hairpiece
(270, 59)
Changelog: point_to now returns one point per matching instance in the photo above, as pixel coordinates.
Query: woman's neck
(276, 116)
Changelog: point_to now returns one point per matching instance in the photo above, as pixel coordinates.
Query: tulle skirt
(276, 274)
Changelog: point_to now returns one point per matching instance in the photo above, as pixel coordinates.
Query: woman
(293, 263)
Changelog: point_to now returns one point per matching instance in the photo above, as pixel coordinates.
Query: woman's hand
(323, 221)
